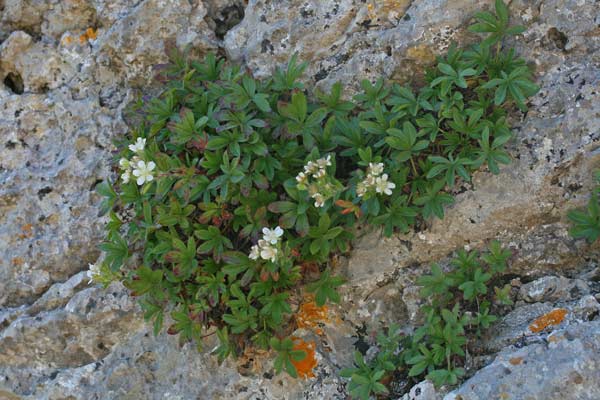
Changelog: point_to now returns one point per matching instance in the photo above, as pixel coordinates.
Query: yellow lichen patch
(395, 6)
(388, 9)
(67, 40)
(554, 317)
(310, 315)
(422, 53)
(305, 366)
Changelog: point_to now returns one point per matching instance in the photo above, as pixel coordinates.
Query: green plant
(365, 376)
(457, 309)
(229, 184)
(586, 223)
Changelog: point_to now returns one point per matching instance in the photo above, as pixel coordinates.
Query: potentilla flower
(320, 173)
(319, 199)
(143, 172)
(383, 186)
(272, 236)
(124, 164)
(125, 176)
(302, 178)
(361, 189)
(324, 162)
(138, 146)
(310, 168)
(254, 252)
(375, 168)
(268, 253)
(94, 270)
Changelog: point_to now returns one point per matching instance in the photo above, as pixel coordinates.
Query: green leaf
(326, 288)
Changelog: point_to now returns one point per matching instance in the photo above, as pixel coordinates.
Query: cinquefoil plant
(229, 184)
(586, 223)
(457, 309)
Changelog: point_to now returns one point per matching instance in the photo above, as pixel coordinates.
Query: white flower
(310, 167)
(320, 173)
(369, 181)
(361, 189)
(272, 236)
(324, 162)
(319, 199)
(143, 172)
(124, 164)
(301, 178)
(138, 146)
(268, 253)
(383, 186)
(254, 252)
(376, 169)
(125, 176)
(94, 270)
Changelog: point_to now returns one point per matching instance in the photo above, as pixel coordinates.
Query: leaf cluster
(585, 224)
(457, 309)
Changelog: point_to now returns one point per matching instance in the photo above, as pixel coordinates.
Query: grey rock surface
(566, 367)
(68, 70)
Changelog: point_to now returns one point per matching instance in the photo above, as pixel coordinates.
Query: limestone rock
(566, 367)
(68, 70)
(553, 288)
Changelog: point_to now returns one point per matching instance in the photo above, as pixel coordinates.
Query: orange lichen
(305, 366)
(17, 261)
(310, 315)
(554, 317)
(516, 360)
(68, 40)
(556, 338)
(91, 33)
(27, 231)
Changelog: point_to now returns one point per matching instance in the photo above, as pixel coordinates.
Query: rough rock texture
(564, 367)
(69, 68)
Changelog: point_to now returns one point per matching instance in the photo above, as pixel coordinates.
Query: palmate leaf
(116, 250)
(492, 154)
(437, 283)
(405, 141)
(586, 224)
(287, 79)
(225, 348)
(187, 127)
(396, 216)
(516, 84)
(147, 281)
(189, 328)
(451, 167)
(274, 306)
(285, 355)
(364, 379)
(325, 288)
(433, 200)
(496, 26)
